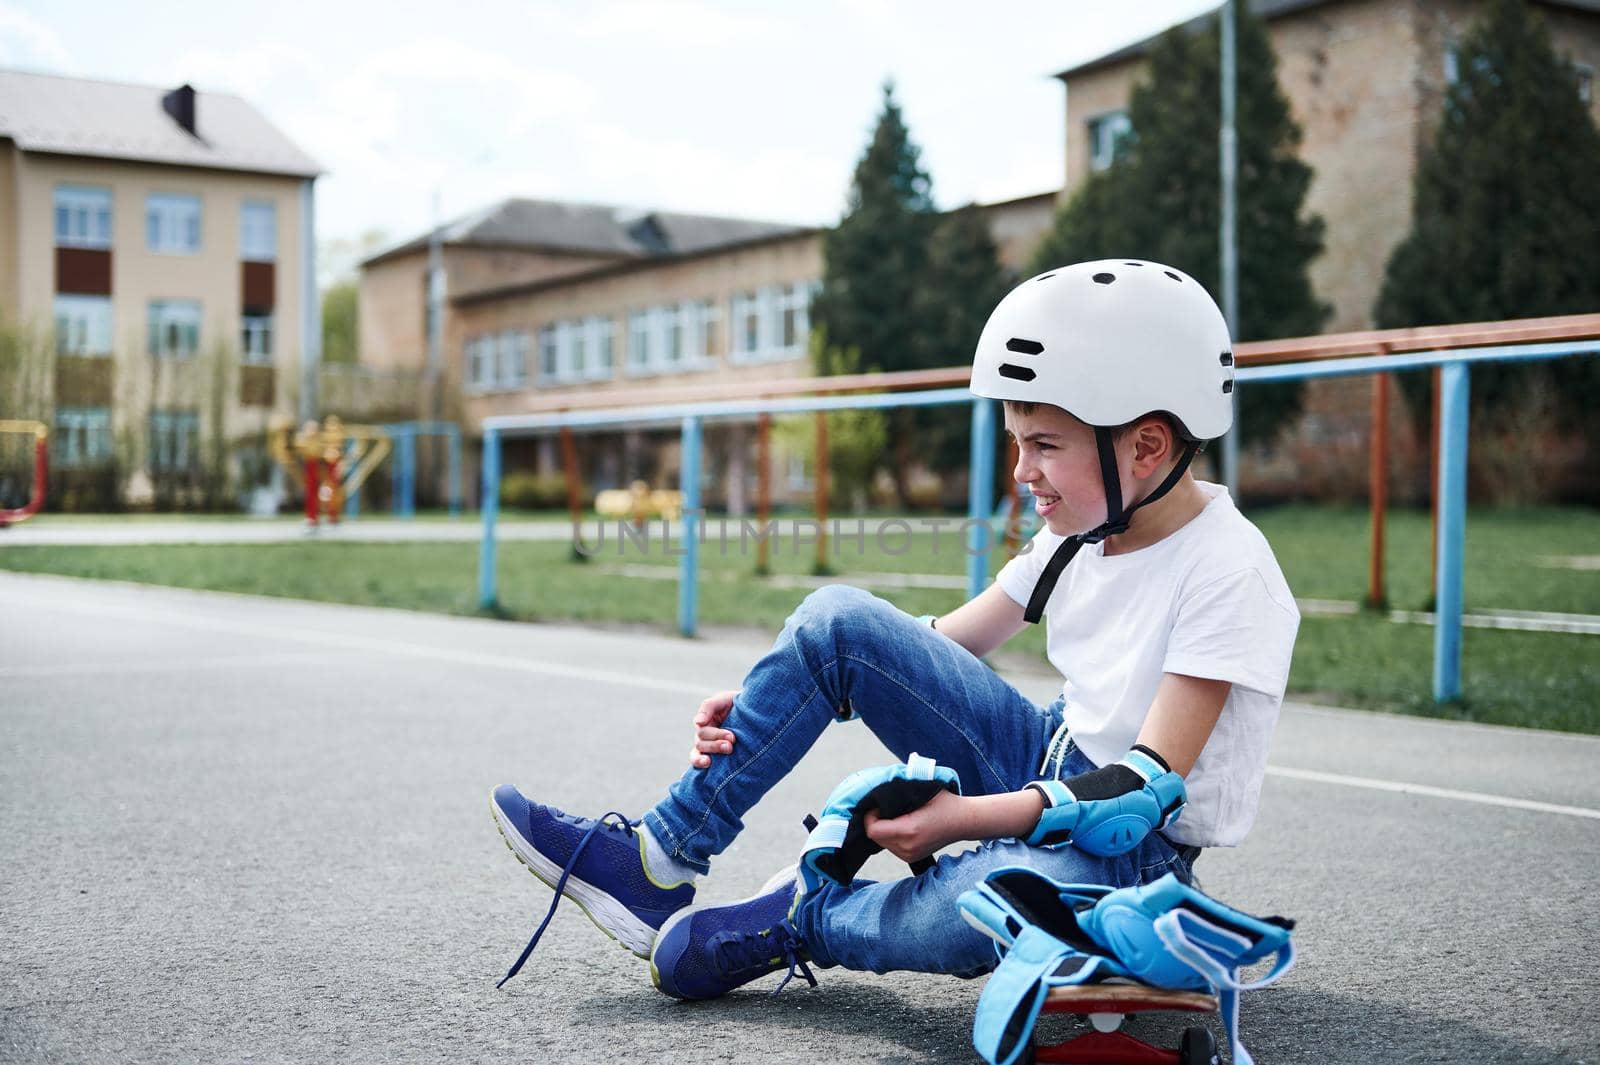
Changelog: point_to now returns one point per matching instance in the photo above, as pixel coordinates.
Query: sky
(754, 109)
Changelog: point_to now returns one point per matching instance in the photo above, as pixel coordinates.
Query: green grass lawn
(1534, 679)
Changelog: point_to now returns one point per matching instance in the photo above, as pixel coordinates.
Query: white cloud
(28, 44)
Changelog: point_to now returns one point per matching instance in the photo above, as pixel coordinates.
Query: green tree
(340, 342)
(960, 286)
(1161, 197)
(873, 262)
(1505, 220)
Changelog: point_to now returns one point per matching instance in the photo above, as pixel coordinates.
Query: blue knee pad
(838, 845)
(1108, 824)
(1165, 934)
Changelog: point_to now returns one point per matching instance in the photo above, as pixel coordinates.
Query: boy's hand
(909, 837)
(709, 737)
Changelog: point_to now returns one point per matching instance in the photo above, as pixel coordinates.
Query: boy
(1172, 628)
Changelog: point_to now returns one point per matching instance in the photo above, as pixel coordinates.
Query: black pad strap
(891, 799)
(1116, 520)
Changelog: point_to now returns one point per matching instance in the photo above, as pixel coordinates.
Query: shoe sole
(774, 882)
(608, 915)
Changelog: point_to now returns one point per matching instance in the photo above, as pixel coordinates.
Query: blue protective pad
(1114, 825)
(1165, 934)
(838, 845)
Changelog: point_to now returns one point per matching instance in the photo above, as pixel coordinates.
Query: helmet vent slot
(1227, 386)
(1018, 373)
(1024, 347)
(1227, 358)
(1174, 276)
(1044, 277)
(1103, 279)
(1132, 264)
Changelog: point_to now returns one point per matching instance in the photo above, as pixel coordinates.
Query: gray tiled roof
(111, 120)
(1267, 9)
(593, 228)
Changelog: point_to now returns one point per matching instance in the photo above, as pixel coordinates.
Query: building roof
(627, 265)
(113, 120)
(595, 229)
(1266, 9)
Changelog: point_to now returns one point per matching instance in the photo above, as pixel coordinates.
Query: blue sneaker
(707, 952)
(598, 864)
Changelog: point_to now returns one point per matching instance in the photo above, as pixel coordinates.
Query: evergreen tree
(1161, 197)
(874, 259)
(1506, 216)
(873, 264)
(961, 285)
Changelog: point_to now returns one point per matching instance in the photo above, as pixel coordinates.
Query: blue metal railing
(1452, 467)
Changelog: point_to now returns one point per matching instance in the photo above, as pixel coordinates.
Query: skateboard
(1105, 1005)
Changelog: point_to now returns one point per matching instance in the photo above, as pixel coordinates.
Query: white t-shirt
(1207, 601)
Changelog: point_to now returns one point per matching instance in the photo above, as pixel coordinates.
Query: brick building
(1366, 81)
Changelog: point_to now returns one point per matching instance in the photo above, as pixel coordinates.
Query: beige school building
(156, 277)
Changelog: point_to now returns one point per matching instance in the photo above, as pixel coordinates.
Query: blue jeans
(845, 652)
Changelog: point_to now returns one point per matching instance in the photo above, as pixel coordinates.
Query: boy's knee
(835, 611)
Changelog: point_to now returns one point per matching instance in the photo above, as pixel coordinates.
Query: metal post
(310, 304)
(1228, 236)
(1378, 489)
(1454, 383)
(689, 567)
(763, 487)
(406, 461)
(980, 497)
(454, 434)
(820, 462)
(487, 599)
(436, 285)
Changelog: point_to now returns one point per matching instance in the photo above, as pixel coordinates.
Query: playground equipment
(328, 462)
(1448, 350)
(403, 478)
(637, 502)
(41, 436)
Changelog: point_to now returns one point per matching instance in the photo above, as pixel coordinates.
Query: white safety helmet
(1109, 342)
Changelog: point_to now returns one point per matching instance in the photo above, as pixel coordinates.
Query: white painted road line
(1403, 788)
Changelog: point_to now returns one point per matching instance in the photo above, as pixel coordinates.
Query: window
(478, 373)
(174, 441)
(597, 330)
(1107, 133)
(703, 339)
(746, 335)
(83, 325)
(639, 342)
(255, 345)
(514, 358)
(174, 328)
(794, 317)
(82, 435)
(172, 223)
(258, 232)
(548, 360)
(83, 216)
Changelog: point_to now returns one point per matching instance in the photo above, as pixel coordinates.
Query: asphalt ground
(242, 829)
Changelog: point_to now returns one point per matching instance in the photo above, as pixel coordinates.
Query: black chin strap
(1116, 519)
